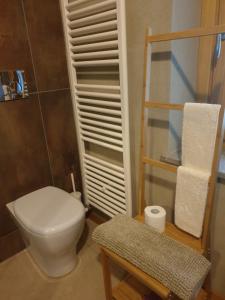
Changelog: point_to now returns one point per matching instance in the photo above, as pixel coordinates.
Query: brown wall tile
(10, 244)
(61, 137)
(24, 164)
(24, 161)
(47, 44)
(14, 47)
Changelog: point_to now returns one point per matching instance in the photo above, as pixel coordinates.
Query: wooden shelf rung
(190, 33)
(159, 164)
(144, 278)
(131, 289)
(172, 106)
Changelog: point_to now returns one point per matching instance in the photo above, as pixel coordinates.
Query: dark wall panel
(60, 132)
(47, 44)
(14, 47)
(24, 163)
(10, 244)
(37, 135)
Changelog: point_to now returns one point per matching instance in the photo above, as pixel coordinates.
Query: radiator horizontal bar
(105, 169)
(75, 3)
(105, 175)
(101, 17)
(94, 55)
(96, 204)
(97, 72)
(105, 62)
(100, 130)
(90, 174)
(120, 201)
(100, 110)
(91, 180)
(103, 162)
(102, 124)
(106, 145)
(100, 117)
(100, 95)
(99, 102)
(94, 28)
(101, 137)
(107, 199)
(96, 46)
(98, 86)
(92, 9)
(97, 37)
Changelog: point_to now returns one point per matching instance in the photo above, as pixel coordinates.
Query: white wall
(184, 60)
(166, 85)
(142, 14)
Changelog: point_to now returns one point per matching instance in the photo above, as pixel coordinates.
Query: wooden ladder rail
(149, 104)
(171, 230)
(172, 168)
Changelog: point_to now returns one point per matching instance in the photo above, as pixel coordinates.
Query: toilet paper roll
(155, 216)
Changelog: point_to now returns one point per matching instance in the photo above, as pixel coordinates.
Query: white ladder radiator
(95, 36)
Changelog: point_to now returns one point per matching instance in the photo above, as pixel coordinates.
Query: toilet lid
(48, 210)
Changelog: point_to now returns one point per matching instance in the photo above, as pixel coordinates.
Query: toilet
(51, 222)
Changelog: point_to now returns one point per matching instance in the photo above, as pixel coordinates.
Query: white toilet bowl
(51, 222)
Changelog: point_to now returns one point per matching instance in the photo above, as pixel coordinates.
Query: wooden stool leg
(106, 275)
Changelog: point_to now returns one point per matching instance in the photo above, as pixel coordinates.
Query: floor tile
(84, 283)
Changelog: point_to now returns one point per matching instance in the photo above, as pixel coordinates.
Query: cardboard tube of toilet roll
(155, 216)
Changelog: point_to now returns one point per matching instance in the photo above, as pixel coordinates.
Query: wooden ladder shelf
(129, 289)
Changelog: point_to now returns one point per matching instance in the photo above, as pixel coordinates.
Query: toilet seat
(48, 210)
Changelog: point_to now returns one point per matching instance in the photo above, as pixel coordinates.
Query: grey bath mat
(178, 267)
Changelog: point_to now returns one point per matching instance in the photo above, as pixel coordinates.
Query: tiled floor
(21, 280)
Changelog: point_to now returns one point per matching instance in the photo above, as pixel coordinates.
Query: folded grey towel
(178, 267)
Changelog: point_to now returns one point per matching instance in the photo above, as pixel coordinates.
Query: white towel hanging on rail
(191, 197)
(200, 124)
(199, 135)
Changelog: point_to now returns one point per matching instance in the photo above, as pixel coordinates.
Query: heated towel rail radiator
(95, 36)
